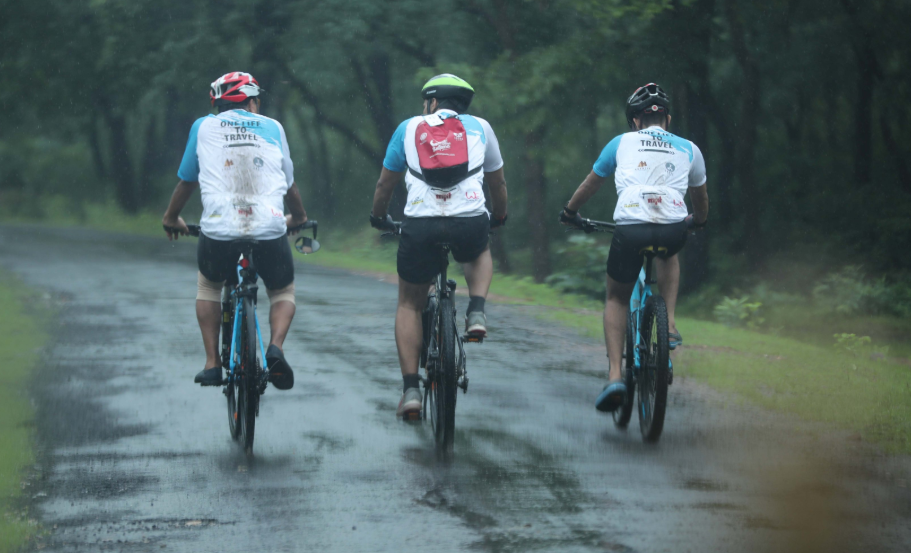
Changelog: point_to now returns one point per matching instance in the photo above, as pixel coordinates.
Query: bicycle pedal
(411, 416)
(473, 339)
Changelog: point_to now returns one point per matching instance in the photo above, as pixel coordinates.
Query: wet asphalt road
(134, 457)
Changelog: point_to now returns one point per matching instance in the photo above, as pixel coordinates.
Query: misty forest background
(798, 105)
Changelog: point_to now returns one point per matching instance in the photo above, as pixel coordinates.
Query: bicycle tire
(231, 388)
(248, 374)
(653, 372)
(623, 415)
(447, 374)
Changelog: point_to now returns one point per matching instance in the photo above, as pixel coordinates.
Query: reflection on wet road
(136, 458)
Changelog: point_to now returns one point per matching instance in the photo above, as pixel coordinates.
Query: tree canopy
(797, 105)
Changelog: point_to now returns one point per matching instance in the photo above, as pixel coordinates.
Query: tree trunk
(536, 191)
(696, 255)
(121, 166)
(749, 200)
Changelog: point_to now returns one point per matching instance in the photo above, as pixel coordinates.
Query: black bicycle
(248, 373)
(442, 356)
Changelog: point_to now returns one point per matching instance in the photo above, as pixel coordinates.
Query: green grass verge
(21, 336)
(58, 211)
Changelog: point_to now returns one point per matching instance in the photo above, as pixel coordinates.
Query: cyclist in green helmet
(445, 157)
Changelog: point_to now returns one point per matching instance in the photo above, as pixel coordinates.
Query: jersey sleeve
(395, 152)
(606, 163)
(189, 165)
(493, 159)
(697, 168)
(287, 164)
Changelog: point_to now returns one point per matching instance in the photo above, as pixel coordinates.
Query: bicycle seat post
(649, 276)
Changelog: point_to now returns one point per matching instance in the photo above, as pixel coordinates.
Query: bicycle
(247, 377)
(443, 355)
(646, 348)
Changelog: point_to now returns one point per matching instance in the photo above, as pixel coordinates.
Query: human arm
(172, 219)
(496, 182)
(295, 205)
(700, 198)
(586, 190)
(385, 186)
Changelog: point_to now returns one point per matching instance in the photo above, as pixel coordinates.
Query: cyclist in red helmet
(240, 162)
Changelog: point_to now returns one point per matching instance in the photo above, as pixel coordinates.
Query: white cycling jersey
(466, 199)
(244, 169)
(652, 170)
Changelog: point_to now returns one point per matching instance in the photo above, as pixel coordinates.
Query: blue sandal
(611, 397)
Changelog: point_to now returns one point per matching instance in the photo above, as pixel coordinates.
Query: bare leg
(479, 274)
(409, 334)
(668, 284)
(280, 316)
(616, 309)
(208, 313)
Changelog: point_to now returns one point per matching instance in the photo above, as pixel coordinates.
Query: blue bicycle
(248, 373)
(646, 348)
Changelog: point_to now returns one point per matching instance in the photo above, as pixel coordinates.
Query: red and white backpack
(442, 146)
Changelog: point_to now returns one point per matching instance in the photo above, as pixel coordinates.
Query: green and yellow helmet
(448, 86)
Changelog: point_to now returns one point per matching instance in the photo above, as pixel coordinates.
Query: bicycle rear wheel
(445, 386)
(623, 415)
(654, 369)
(249, 393)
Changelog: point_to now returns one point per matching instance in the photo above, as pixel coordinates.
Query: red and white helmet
(234, 87)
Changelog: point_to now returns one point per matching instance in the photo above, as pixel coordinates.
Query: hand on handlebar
(175, 227)
(692, 225)
(386, 223)
(498, 222)
(575, 221)
(294, 225)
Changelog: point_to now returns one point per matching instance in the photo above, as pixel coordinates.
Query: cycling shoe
(611, 397)
(476, 324)
(674, 339)
(280, 374)
(410, 405)
(209, 377)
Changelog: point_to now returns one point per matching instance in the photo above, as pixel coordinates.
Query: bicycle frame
(246, 286)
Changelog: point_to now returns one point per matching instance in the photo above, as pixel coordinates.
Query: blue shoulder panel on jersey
(607, 161)
(395, 152)
(472, 126)
(262, 127)
(189, 165)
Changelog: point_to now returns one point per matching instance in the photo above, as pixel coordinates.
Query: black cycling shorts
(624, 260)
(418, 259)
(217, 261)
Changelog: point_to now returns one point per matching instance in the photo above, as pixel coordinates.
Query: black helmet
(448, 86)
(650, 97)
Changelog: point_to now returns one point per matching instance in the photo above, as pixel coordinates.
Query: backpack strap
(420, 177)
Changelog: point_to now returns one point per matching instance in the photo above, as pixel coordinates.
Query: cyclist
(239, 160)
(442, 155)
(653, 170)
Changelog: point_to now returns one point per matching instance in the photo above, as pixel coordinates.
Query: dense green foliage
(797, 104)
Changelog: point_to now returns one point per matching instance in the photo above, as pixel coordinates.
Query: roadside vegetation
(21, 335)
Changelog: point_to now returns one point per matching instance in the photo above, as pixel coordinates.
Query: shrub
(582, 259)
(849, 291)
(739, 312)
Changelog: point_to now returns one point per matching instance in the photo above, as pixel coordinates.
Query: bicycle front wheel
(654, 369)
(249, 393)
(231, 390)
(445, 386)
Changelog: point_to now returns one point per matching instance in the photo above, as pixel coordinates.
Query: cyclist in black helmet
(653, 170)
(445, 156)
